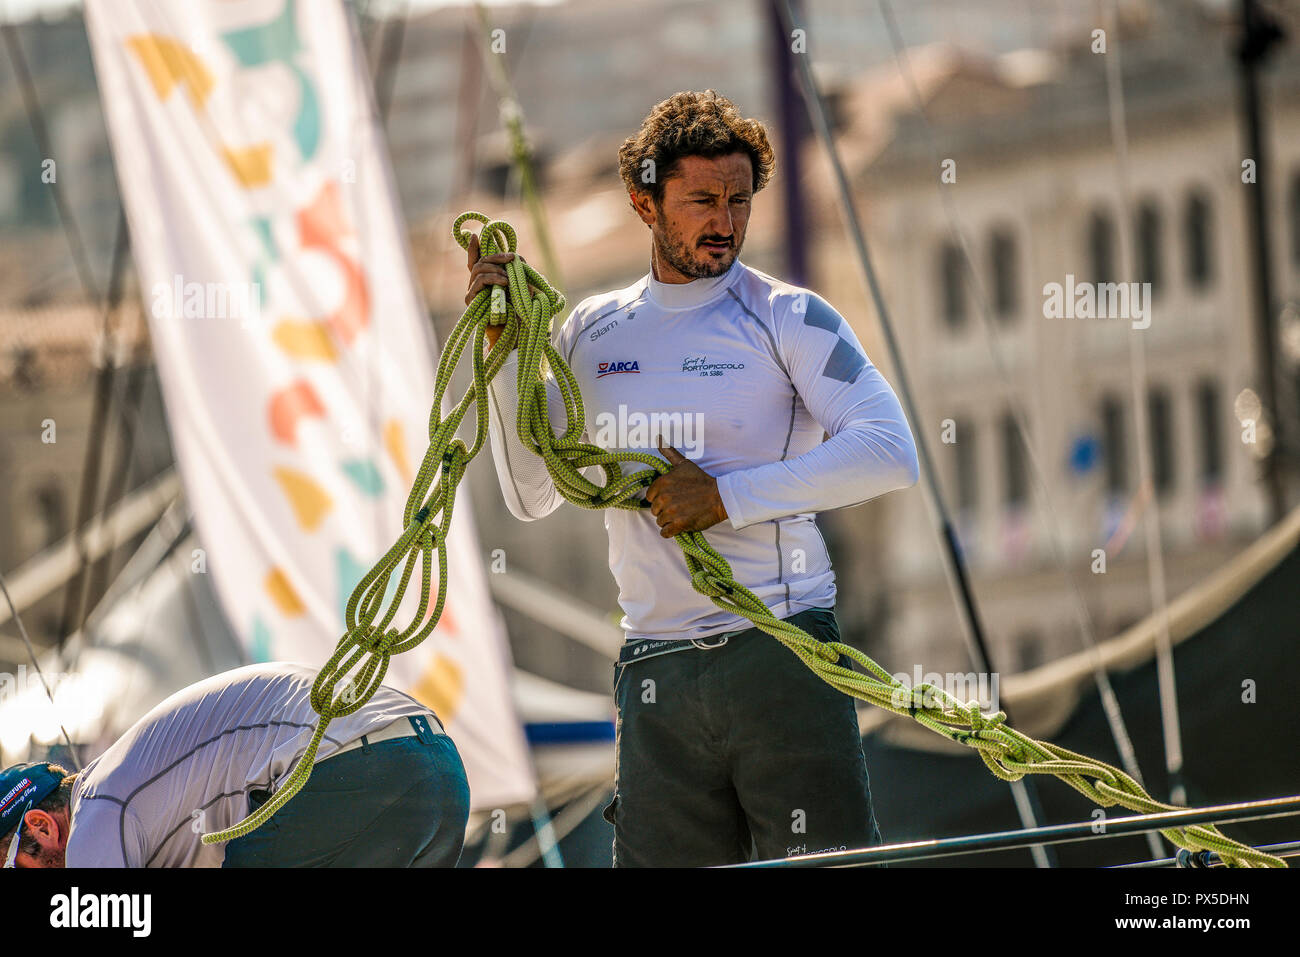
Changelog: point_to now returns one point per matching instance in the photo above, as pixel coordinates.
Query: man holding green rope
(727, 745)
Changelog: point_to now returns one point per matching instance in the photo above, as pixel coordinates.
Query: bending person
(388, 788)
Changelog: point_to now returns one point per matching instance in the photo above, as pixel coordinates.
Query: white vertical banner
(296, 360)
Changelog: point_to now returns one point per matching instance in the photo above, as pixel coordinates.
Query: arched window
(1101, 247)
(1209, 415)
(1197, 228)
(1113, 446)
(967, 486)
(1161, 425)
(1002, 256)
(51, 511)
(1013, 459)
(1150, 254)
(952, 284)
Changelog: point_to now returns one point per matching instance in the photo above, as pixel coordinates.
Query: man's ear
(644, 205)
(45, 828)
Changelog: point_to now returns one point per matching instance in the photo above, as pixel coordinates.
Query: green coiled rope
(361, 658)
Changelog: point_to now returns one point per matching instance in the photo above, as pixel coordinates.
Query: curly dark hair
(692, 124)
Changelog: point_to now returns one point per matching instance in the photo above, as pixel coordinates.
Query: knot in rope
(374, 642)
(979, 721)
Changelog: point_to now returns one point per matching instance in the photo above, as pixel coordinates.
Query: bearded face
(699, 223)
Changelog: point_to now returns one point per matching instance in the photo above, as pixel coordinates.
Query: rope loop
(375, 642)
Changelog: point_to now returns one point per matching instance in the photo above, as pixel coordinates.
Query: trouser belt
(416, 725)
(654, 647)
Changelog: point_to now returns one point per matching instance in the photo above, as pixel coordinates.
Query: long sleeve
(870, 449)
(525, 484)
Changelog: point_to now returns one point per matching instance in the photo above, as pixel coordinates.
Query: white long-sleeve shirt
(742, 374)
(187, 766)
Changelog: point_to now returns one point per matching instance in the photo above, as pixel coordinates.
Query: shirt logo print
(606, 328)
(700, 365)
(611, 368)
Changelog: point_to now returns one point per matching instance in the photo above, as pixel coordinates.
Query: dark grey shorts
(737, 748)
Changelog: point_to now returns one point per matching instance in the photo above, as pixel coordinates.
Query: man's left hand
(685, 498)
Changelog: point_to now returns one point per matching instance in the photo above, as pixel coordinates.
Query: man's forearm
(526, 486)
(854, 466)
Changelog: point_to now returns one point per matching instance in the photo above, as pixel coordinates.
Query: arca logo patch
(610, 368)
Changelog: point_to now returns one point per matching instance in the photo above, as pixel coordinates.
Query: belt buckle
(703, 642)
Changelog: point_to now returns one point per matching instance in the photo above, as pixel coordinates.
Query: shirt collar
(686, 295)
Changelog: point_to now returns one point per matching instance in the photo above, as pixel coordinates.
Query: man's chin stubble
(700, 270)
(713, 269)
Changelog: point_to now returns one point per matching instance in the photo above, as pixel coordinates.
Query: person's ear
(44, 827)
(644, 205)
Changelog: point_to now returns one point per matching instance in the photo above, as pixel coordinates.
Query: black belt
(653, 647)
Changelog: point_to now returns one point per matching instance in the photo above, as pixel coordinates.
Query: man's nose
(720, 223)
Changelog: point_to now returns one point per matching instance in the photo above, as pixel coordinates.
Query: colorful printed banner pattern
(295, 355)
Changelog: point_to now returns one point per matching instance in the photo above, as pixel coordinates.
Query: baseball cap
(22, 787)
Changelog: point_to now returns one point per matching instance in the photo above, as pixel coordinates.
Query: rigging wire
(392, 36)
(512, 119)
(1168, 688)
(81, 265)
(1022, 791)
(391, 32)
(41, 133)
(75, 593)
(22, 630)
(90, 499)
(1109, 701)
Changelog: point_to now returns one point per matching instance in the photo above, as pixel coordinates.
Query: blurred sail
(294, 352)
